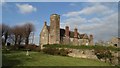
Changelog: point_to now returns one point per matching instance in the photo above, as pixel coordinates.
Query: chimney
(67, 31)
(91, 40)
(91, 36)
(45, 23)
(75, 33)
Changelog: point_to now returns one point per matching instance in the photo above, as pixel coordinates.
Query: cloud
(94, 9)
(72, 4)
(26, 8)
(103, 28)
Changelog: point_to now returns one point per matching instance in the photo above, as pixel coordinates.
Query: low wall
(83, 53)
(90, 54)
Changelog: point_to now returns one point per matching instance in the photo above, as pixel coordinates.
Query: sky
(97, 18)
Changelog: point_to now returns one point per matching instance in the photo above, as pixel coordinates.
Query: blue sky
(97, 18)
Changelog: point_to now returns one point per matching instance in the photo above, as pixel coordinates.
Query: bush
(82, 47)
(103, 54)
(37, 49)
(32, 47)
(63, 52)
(56, 51)
(52, 51)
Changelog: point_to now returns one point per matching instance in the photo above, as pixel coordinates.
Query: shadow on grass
(8, 62)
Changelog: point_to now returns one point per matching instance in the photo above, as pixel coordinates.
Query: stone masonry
(53, 34)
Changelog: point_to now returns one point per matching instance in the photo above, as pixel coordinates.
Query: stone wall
(90, 54)
(44, 35)
(79, 53)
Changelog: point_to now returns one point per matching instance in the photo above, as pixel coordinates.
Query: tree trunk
(15, 40)
(27, 40)
(19, 42)
(6, 36)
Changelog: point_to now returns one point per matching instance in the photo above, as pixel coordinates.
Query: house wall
(114, 41)
(44, 36)
(74, 41)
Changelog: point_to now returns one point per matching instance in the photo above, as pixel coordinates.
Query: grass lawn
(19, 58)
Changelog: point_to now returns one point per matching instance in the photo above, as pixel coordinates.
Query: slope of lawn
(19, 58)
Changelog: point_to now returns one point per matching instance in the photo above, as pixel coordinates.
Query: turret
(45, 23)
(54, 37)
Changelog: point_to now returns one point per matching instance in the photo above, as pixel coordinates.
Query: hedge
(82, 47)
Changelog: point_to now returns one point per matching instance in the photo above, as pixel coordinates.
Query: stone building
(115, 41)
(53, 34)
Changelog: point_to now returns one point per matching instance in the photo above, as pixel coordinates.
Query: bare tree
(28, 28)
(6, 30)
(21, 34)
(16, 34)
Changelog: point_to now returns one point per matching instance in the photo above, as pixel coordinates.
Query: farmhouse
(53, 34)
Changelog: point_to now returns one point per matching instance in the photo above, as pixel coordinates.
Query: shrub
(32, 47)
(82, 47)
(55, 51)
(37, 49)
(49, 51)
(63, 52)
(103, 54)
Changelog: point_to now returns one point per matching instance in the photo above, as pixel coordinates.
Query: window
(115, 45)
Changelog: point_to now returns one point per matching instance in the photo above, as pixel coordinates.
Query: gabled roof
(83, 36)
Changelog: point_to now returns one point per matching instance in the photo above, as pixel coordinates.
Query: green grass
(0, 57)
(19, 58)
(83, 47)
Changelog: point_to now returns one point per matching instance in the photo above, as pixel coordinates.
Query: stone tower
(54, 36)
